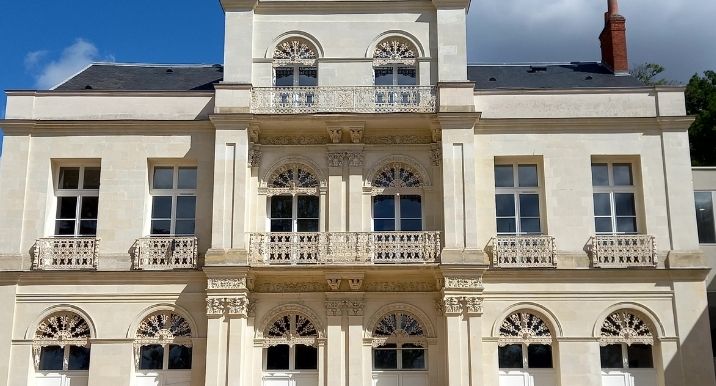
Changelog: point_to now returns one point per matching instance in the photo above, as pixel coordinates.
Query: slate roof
(144, 77)
(547, 76)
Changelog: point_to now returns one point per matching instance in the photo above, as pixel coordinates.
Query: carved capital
(255, 157)
(334, 283)
(355, 307)
(473, 305)
(451, 305)
(234, 305)
(350, 307)
(355, 283)
(436, 154)
(226, 283)
(254, 133)
(458, 305)
(336, 159)
(356, 134)
(437, 133)
(462, 283)
(334, 307)
(356, 158)
(336, 134)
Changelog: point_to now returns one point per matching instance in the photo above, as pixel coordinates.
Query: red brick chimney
(613, 39)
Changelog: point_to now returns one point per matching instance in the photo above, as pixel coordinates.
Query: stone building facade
(346, 202)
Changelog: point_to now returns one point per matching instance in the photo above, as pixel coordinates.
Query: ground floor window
(399, 351)
(626, 353)
(290, 351)
(163, 350)
(62, 351)
(525, 351)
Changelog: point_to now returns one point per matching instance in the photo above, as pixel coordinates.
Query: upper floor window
(77, 201)
(525, 342)
(614, 198)
(626, 342)
(163, 342)
(395, 63)
(173, 190)
(705, 219)
(517, 199)
(295, 205)
(61, 343)
(294, 62)
(399, 206)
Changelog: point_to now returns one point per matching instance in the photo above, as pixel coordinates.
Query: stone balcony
(523, 251)
(158, 253)
(339, 99)
(65, 253)
(349, 248)
(623, 251)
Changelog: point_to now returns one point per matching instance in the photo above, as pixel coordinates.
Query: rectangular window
(397, 213)
(406, 357)
(295, 213)
(705, 217)
(614, 198)
(173, 190)
(517, 199)
(77, 201)
(623, 356)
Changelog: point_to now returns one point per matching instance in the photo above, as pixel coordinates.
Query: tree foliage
(647, 73)
(701, 102)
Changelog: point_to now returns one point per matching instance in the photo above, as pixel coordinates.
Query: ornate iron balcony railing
(337, 99)
(165, 253)
(523, 251)
(65, 253)
(623, 251)
(345, 248)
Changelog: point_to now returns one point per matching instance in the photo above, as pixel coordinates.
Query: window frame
(291, 361)
(516, 190)
(525, 357)
(174, 193)
(65, 359)
(397, 212)
(395, 67)
(625, 358)
(612, 190)
(79, 193)
(296, 74)
(713, 207)
(399, 358)
(165, 358)
(294, 213)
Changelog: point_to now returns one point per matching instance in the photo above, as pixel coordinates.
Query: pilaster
(112, 363)
(238, 46)
(452, 39)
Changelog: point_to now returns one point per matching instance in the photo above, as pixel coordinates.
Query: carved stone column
(356, 160)
(336, 197)
(335, 348)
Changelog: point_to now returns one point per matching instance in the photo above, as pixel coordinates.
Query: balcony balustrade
(336, 99)
(165, 253)
(523, 251)
(65, 253)
(623, 251)
(345, 248)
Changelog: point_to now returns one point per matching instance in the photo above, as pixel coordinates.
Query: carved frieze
(291, 287)
(390, 286)
(336, 159)
(230, 305)
(462, 283)
(255, 158)
(398, 139)
(436, 154)
(350, 307)
(295, 140)
(456, 305)
(227, 283)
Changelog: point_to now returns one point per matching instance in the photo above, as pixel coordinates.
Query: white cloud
(73, 59)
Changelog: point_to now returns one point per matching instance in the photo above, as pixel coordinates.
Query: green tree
(701, 102)
(647, 73)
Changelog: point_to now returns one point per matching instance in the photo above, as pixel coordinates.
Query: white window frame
(525, 359)
(165, 358)
(291, 362)
(713, 205)
(296, 74)
(80, 193)
(65, 360)
(174, 193)
(625, 359)
(516, 190)
(615, 189)
(294, 212)
(396, 197)
(399, 359)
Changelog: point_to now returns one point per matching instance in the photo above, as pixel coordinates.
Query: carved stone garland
(160, 328)
(397, 175)
(625, 327)
(291, 329)
(294, 51)
(524, 327)
(293, 179)
(394, 51)
(398, 328)
(60, 329)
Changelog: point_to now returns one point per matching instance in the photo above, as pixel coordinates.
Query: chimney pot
(613, 7)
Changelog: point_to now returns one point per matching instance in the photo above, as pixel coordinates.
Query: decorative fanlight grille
(524, 327)
(293, 179)
(61, 329)
(398, 328)
(294, 51)
(164, 327)
(394, 51)
(291, 329)
(397, 175)
(625, 327)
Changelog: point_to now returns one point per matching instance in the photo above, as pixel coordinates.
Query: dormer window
(294, 62)
(395, 63)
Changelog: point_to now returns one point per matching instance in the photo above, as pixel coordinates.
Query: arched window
(394, 62)
(397, 206)
(61, 343)
(294, 62)
(290, 344)
(525, 342)
(294, 205)
(626, 342)
(163, 342)
(399, 343)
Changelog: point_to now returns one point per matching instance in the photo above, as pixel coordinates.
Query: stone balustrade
(354, 99)
(344, 248)
(623, 251)
(523, 251)
(65, 253)
(165, 253)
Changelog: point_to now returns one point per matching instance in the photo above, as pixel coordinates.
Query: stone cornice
(575, 90)
(110, 93)
(611, 124)
(21, 126)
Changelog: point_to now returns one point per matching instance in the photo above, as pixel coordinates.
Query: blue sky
(42, 41)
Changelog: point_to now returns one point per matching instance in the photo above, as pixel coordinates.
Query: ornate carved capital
(451, 305)
(350, 307)
(336, 159)
(437, 133)
(334, 307)
(355, 307)
(334, 283)
(473, 305)
(254, 133)
(458, 305)
(336, 134)
(234, 305)
(356, 158)
(436, 154)
(255, 157)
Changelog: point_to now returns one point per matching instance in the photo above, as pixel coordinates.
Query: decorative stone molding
(391, 286)
(626, 327)
(355, 307)
(436, 133)
(227, 283)
(334, 283)
(436, 154)
(355, 283)
(255, 157)
(356, 158)
(473, 305)
(336, 159)
(292, 287)
(254, 132)
(334, 307)
(234, 305)
(350, 307)
(336, 134)
(398, 140)
(457, 305)
(294, 140)
(461, 283)
(524, 328)
(356, 134)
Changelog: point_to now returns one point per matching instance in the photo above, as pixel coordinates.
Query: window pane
(622, 175)
(527, 175)
(407, 76)
(89, 207)
(413, 358)
(308, 76)
(611, 356)
(281, 226)
(163, 178)
(281, 206)
(277, 357)
(383, 225)
(624, 204)
(506, 225)
(505, 205)
(161, 227)
(79, 358)
(306, 357)
(308, 206)
(186, 207)
(602, 204)
(529, 205)
(88, 228)
(307, 225)
(51, 358)
(603, 224)
(504, 177)
(626, 224)
(69, 178)
(385, 359)
(410, 207)
(184, 227)
(187, 178)
(384, 207)
(91, 180)
(64, 228)
(530, 225)
(640, 356)
(179, 357)
(539, 356)
(414, 225)
(510, 356)
(151, 357)
(66, 207)
(384, 76)
(705, 217)
(600, 175)
(284, 76)
(161, 207)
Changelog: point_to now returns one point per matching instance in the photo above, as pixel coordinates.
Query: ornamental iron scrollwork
(394, 51)
(161, 328)
(294, 51)
(291, 329)
(399, 328)
(524, 328)
(293, 179)
(62, 329)
(625, 327)
(397, 175)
